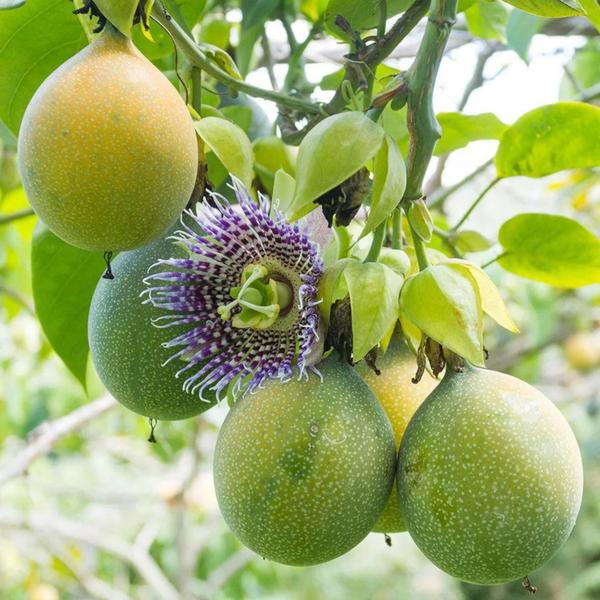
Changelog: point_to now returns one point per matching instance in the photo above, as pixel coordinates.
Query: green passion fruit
(489, 477)
(107, 149)
(127, 349)
(303, 469)
(400, 398)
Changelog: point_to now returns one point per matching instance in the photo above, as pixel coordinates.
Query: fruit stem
(377, 243)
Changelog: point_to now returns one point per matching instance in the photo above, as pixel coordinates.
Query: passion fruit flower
(245, 301)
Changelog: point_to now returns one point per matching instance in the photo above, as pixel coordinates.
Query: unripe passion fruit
(126, 348)
(107, 149)
(303, 469)
(400, 399)
(489, 477)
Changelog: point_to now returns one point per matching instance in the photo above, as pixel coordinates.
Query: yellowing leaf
(491, 300)
(551, 249)
(550, 139)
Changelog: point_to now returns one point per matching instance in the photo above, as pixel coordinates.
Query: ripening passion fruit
(489, 477)
(127, 349)
(400, 398)
(303, 469)
(107, 148)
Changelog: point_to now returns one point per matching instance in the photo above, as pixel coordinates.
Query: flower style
(244, 302)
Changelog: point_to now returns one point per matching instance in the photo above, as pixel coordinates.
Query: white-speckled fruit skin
(127, 349)
(400, 398)
(107, 149)
(303, 469)
(489, 477)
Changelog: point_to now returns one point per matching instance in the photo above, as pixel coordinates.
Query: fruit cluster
(482, 469)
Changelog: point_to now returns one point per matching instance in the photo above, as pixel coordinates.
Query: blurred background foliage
(101, 513)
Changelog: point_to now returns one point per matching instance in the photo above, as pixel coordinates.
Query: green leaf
(63, 281)
(550, 139)
(332, 287)
(397, 260)
(520, 30)
(374, 290)
(34, 40)
(592, 9)
(255, 13)
(361, 14)
(464, 4)
(231, 146)
(394, 124)
(283, 190)
(185, 12)
(549, 8)
(270, 155)
(491, 300)
(443, 302)
(8, 4)
(215, 30)
(119, 12)
(389, 183)
(459, 130)
(466, 240)
(551, 249)
(240, 115)
(330, 152)
(487, 20)
(420, 219)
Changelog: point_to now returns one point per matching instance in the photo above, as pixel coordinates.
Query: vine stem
(199, 59)
(423, 128)
(397, 229)
(21, 214)
(475, 203)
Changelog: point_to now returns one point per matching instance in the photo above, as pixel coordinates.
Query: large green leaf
(374, 290)
(255, 13)
(487, 20)
(119, 12)
(549, 8)
(552, 249)
(389, 183)
(550, 139)
(443, 302)
(520, 30)
(332, 151)
(231, 146)
(361, 14)
(458, 130)
(63, 281)
(34, 40)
